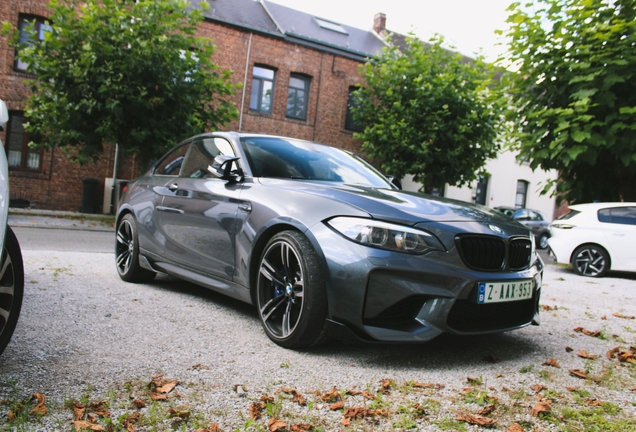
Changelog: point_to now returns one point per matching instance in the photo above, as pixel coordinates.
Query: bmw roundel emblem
(496, 229)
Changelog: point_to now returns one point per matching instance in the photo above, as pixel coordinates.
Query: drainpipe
(113, 197)
(247, 65)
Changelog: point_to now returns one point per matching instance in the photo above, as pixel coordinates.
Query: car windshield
(295, 159)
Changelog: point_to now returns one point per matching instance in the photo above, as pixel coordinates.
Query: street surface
(83, 331)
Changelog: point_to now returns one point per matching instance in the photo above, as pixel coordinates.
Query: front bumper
(380, 296)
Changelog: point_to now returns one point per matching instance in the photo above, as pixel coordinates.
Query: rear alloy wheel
(127, 253)
(11, 287)
(290, 292)
(590, 260)
(543, 241)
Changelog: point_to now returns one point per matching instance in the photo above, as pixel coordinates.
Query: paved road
(64, 240)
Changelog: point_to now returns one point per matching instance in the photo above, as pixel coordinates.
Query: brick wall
(59, 185)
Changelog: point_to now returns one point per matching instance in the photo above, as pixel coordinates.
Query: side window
(298, 96)
(522, 193)
(262, 94)
(200, 157)
(535, 216)
(20, 156)
(522, 215)
(171, 163)
(31, 28)
(620, 215)
(350, 123)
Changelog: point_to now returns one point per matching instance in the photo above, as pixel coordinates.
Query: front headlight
(384, 235)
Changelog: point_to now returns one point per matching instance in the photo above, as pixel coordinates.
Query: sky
(469, 25)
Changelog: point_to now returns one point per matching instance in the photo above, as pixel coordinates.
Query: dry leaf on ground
(552, 362)
(486, 410)
(611, 354)
(40, 408)
(586, 332)
(386, 383)
(178, 413)
(476, 420)
(331, 395)
(81, 425)
(515, 428)
(538, 387)
(542, 407)
(255, 410)
(214, 427)
(368, 395)
(569, 349)
(336, 406)
(276, 425)
(300, 427)
(579, 373)
(620, 315)
(584, 354)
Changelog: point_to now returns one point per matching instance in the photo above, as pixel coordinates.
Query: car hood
(402, 206)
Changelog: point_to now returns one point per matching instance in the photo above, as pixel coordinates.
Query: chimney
(379, 23)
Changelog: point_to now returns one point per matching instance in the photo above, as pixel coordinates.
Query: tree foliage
(573, 99)
(427, 111)
(119, 71)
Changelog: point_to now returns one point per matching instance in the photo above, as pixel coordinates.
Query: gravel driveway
(84, 333)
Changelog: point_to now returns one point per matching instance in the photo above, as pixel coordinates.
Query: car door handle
(245, 206)
(169, 209)
(173, 187)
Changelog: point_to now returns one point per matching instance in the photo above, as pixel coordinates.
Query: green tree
(573, 97)
(427, 111)
(119, 71)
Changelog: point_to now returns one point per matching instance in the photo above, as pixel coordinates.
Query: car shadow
(439, 353)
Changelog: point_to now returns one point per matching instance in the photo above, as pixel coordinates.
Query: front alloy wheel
(290, 292)
(127, 252)
(11, 287)
(590, 261)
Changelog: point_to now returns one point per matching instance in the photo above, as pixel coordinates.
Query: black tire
(290, 292)
(542, 241)
(11, 287)
(590, 260)
(127, 252)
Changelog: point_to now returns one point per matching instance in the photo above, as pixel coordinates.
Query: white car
(11, 268)
(596, 238)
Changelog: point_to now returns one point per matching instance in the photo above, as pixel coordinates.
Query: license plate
(497, 292)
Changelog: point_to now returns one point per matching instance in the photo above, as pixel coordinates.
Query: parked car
(596, 238)
(533, 219)
(324, 245)
(11, 268)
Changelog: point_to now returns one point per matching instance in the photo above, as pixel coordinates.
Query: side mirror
(4, 115)
(395, 181)
(222, 168)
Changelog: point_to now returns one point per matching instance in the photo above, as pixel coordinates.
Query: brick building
(297, 72)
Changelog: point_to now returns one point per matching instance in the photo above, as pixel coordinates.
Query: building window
(19, 155)
(32, 28)
(298, 96)
(262, 93)
(350, 123)
(522, 194)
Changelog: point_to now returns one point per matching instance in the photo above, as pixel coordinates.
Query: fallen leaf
(552, 362)
(633, 388)
(331, 395)
(569, 349)
(178, 413)
(40, 408)
(336, 406)
(296, 395)
(620, 315)
(167, 387)
(515, 428)
(79, 409)
(538, 387)
(593, 402)
(584, 354)
(81, 425)
(139, 404)
(476, 420)
(353, 393)
(156, 396)
(473, 380)
(255, 410)
(276, 425)
(156, 377)
(579, 373)
(542, 407)
(604, 317)
(611, 354)
(386, 383)
(368, 395)
(422, 385)
(345, 422)
(199, 366)
(587, 332)
(486, 410)
(301, 427)
(624, 356)
(214, 427)
(547, 308)
(571, 389)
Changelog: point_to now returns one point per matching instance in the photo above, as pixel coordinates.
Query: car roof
(600, 205)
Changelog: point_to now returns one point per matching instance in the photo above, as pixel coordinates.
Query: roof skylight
(330, 25)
